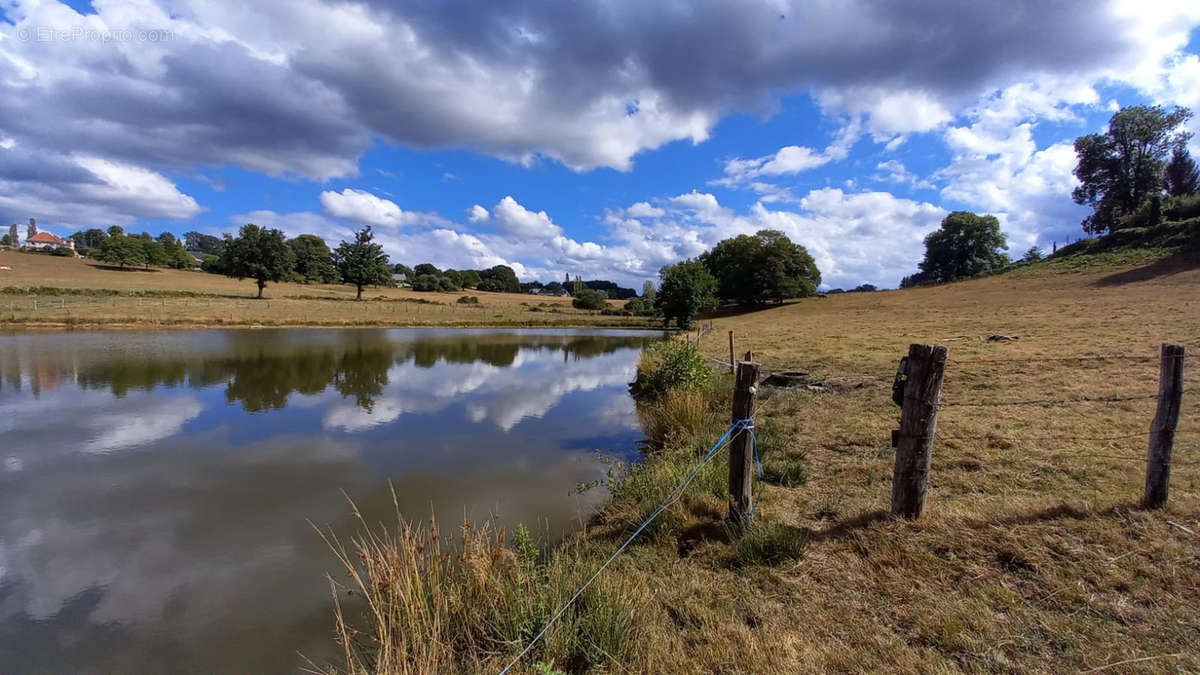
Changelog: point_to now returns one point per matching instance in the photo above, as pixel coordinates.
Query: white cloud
(788, 160)
(364, 207)
(894, 171)
(478, 214)
(514, 219)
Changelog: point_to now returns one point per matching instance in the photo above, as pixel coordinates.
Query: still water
(156, 489)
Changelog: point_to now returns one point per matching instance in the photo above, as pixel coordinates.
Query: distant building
(45, 240)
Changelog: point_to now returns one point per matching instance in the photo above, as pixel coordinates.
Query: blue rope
(754, 439)
(747, 424)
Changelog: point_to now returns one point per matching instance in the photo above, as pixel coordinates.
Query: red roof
(45, 238)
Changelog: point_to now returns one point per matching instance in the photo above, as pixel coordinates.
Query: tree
(589, 299)
(648, 291)
(121, 250)
(760, 268)
(116, 231)
(686, 289)
(499, 279)
(1121, 168)
(863, 288)
(167, 239)
(89, 239)
(212, 264)
(258, 253)
(427, 282)
(1181, 176)
(6, 240)
(178, 258)
(313, 259)
(362, 262)
(426, 268)
(966, 245)
(1034, 253)
(155, 253)
(469, 278)
(204, 244)
(454, 276)
(553, 287)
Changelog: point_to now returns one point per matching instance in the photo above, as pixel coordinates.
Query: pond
(157, 488)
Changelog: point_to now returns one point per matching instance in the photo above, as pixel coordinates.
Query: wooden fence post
(1162, 429)
(741, 447)
(732, 363)
(918, 421)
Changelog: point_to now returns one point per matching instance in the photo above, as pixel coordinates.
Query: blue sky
(601, 139)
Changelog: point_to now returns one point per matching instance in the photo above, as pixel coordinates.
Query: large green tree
(89, 239)
(966, 245)
(1121, 168)
(1181, 176)
(258, 253)
(122, 250)
(313, 260)
(685, 290)
(362, 262)
(500, 279)
(204, 244)
(760, 268)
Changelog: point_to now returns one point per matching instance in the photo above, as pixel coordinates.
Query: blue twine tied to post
(746, 424)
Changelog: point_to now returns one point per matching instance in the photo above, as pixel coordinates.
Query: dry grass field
(40, 291)
(1033, 554)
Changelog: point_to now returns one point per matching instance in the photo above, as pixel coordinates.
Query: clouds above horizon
(95, 131)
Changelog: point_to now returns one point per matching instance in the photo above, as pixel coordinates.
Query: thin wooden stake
(732, 364)
(741, 447)
(1162, 429)
(918, 422)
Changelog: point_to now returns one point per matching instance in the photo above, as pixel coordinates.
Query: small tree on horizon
(686, 289)
(313, 259)
(258, 253)
(966, 245)
(362, 262)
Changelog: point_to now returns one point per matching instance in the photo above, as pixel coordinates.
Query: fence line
(1046, 401)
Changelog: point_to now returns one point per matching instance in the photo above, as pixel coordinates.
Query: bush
(589, 299)
(426, 283)
(212, 264)
(641, 307)
(63, 252)
(447, 284)
(671, 365)
(468, 300)
(1183, 207)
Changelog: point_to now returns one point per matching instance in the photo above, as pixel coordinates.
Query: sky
(599, 138)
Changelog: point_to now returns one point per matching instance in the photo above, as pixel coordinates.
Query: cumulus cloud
(364, 207)
(514, 219)
(790, 159)
(478, 214)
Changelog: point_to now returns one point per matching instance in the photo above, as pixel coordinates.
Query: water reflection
(156, 488)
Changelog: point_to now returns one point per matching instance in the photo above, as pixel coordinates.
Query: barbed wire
(1048, 401)
(1024, 439)
(1067, 359)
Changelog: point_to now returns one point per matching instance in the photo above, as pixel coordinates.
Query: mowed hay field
(1033, 553)
(46, 291)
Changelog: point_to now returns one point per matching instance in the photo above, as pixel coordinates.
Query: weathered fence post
(1162, 429)
(741, 447)
(918, 421)
(732, 363)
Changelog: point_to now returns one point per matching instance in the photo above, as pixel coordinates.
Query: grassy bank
(1033, 553)
(46, 292)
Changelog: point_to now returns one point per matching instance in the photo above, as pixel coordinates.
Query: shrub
(468, 300)
(1182, 208)
(447, 284)
(426, 283)
(63, 252)
(589, 299)
(671, 365)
